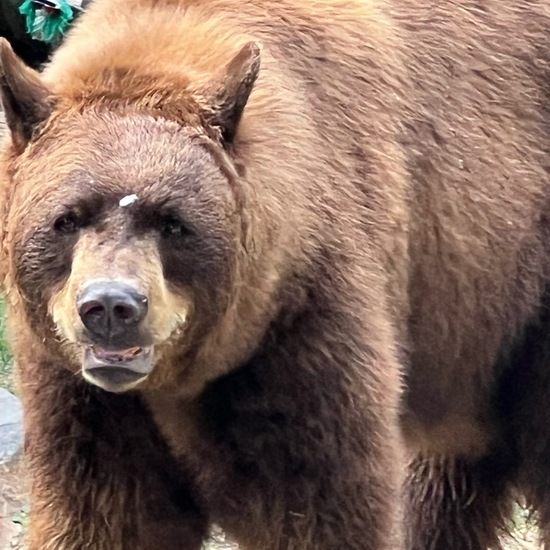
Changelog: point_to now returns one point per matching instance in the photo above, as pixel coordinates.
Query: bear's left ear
(26, 100)
(231, 91)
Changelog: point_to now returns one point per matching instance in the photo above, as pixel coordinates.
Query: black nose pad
(110, 309)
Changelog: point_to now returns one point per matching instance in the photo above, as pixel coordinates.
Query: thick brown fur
(381, 212)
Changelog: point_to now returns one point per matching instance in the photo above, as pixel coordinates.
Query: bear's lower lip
(116, 370)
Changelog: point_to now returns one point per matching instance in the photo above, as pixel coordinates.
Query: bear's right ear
(26, 100)
(231, 90)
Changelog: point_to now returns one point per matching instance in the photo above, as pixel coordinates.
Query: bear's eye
(172, 226)
(67, 223)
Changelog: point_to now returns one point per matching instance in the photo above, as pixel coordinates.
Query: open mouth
(116, 370)
(109, 357)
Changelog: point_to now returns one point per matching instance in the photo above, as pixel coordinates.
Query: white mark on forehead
(127, 200)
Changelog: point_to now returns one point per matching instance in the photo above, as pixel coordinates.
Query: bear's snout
(112, 311)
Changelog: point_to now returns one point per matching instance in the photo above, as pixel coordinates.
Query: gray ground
(13, 498)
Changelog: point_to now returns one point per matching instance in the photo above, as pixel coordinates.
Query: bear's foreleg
(101, 477)
(300, 448)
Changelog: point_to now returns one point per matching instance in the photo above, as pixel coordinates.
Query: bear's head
(124, 225)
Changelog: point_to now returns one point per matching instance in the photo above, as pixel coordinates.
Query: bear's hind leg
(529, 422)
(454, 504)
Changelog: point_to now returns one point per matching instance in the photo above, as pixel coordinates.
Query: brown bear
(262, 256)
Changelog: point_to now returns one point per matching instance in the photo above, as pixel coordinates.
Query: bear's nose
(111, 311)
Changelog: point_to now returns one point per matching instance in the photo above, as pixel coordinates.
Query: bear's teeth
(118, 355)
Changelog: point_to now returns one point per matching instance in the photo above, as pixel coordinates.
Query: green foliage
(6, 374)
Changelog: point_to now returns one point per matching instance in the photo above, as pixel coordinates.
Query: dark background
(12, 27)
